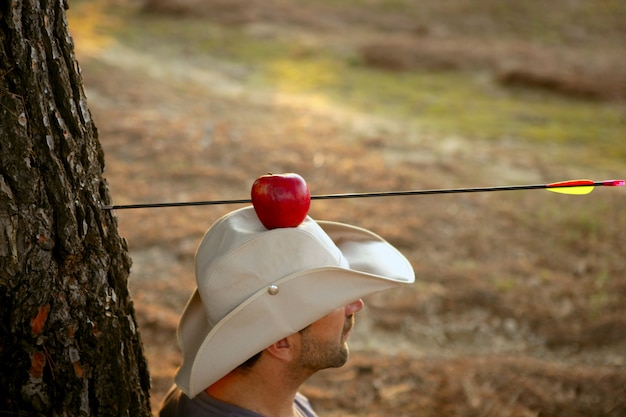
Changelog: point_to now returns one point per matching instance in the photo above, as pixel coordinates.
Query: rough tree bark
(69, 344)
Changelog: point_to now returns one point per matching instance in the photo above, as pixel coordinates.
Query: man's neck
(269, 395)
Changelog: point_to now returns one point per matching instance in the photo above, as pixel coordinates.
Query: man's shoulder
(177, 404)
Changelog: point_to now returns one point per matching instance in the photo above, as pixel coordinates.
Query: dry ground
(520, 303)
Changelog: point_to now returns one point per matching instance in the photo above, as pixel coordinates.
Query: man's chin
(344, 354)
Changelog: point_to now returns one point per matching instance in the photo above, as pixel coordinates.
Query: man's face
(324, 343)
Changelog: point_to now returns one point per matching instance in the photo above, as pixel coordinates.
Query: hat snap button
(272, 289)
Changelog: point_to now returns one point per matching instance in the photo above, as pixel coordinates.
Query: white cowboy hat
(257, 286)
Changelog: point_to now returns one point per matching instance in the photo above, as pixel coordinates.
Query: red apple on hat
(281, 200)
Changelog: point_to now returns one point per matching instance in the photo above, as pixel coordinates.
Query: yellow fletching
(572, 190)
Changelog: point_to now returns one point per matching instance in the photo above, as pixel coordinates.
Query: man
(273, 307)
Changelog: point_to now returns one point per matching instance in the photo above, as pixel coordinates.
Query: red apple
(281, 200)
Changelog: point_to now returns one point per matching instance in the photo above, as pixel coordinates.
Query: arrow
(580, 187)
(573, 187)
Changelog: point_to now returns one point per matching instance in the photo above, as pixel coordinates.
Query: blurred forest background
(520, 303)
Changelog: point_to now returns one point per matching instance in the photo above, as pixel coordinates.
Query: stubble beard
(317, 355)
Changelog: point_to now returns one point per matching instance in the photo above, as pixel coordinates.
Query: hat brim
(210, 352)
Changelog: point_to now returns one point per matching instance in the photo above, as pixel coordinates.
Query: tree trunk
(69, 344)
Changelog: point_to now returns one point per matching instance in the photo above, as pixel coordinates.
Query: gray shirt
(177, 404)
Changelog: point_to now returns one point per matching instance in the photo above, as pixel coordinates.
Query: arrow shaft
(565, 184)
(181, 204)
(427, 192)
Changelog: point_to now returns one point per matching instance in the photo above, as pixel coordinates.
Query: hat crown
(238, 257)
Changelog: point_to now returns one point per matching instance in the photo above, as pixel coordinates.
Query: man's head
(258, 286)
(322, 344)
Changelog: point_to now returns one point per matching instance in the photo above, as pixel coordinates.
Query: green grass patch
(440, 103)
(459, 104)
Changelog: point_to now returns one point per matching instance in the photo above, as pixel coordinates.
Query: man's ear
(282, 349)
